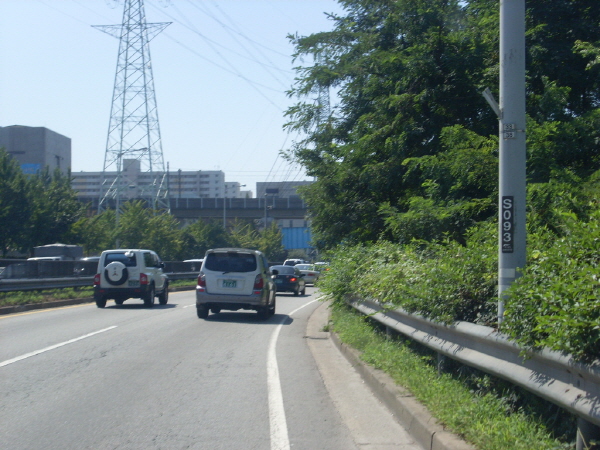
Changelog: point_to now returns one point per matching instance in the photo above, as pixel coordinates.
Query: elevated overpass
(229, 209)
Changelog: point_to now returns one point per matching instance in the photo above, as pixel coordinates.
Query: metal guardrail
(547, 374)
(30, 284)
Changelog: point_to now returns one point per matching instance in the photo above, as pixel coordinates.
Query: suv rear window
(230, 262)
(128, 259)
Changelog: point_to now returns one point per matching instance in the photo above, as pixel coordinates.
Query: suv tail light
(258, 285)
(143, 279)
(97, 279)
(293, 279)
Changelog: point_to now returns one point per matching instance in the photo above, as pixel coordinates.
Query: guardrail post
(441, 362)
(588, 435)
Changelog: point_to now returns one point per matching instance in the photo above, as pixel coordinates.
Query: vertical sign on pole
(507, 225)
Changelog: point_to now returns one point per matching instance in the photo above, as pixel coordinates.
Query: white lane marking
(52, 347)
(277, 421)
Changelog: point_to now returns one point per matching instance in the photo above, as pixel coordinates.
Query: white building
(182, 184)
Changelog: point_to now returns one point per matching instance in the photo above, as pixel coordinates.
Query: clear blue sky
(221, 70)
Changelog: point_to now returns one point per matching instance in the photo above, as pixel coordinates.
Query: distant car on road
(130, 273)
(195, 264)
(322, 266)
(310, 272)
(289, 279)
(293, 262)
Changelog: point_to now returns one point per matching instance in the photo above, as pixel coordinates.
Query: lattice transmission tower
(133, 146)
(323, 103)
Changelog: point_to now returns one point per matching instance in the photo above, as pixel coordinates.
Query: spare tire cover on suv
(116, 273)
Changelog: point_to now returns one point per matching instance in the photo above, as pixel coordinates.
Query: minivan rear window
(230, 262)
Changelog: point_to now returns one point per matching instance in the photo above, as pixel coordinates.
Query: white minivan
(233, 279)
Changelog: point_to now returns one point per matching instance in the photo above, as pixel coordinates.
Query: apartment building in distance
(134, 183)
(37, 147)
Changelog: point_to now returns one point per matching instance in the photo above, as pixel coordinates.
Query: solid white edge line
(52, 347)
(277, 420)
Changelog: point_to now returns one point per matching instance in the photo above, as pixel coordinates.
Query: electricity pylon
(323, 103)
(133, 131)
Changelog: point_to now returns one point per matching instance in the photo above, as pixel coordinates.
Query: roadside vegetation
(489, 413)
(406, 163)
(50, 295)
(554, 304)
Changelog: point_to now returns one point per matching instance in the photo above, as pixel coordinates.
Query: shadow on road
(248, 317)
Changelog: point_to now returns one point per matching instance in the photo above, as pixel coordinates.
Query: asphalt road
(132, 377)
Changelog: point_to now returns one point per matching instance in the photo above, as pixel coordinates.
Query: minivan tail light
(201, 283)
(97, 279)
(143, 279)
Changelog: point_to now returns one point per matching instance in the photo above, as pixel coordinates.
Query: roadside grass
(489, 413)
(15, 298)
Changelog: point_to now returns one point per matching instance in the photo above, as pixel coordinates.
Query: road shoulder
(379, 413)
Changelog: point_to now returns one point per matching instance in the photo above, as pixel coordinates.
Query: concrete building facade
(37, 147)
(279, 189)
(133, 183)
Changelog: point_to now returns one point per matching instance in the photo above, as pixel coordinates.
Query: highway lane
(162, 378)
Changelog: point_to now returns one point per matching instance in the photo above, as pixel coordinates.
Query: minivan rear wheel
(272, 307)
(263, 312)
(202, 311)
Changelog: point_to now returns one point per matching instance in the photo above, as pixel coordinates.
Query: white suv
(235, 278)
(130, 273)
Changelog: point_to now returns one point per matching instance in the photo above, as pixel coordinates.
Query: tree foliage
(411, 135)
(15, 209)
(35, 209)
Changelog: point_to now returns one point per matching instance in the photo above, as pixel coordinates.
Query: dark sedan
(288, 279)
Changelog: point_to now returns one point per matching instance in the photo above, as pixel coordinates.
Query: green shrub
(556, 303)
(442, 281)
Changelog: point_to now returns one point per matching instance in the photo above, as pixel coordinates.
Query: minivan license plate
(229, 283)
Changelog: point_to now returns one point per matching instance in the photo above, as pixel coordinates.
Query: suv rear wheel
(163, 297)
(149, 298)
(101, 302)
(202, 311)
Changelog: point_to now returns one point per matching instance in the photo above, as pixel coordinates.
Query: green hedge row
(555, 304)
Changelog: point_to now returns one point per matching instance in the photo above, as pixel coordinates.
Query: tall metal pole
(512, 177)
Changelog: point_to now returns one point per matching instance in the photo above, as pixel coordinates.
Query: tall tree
(403, 71)
(95, 233)
(15, 209)
(408, 75)
(205, 235)
(55, 207)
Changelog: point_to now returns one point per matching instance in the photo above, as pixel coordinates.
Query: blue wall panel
(296, 238)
